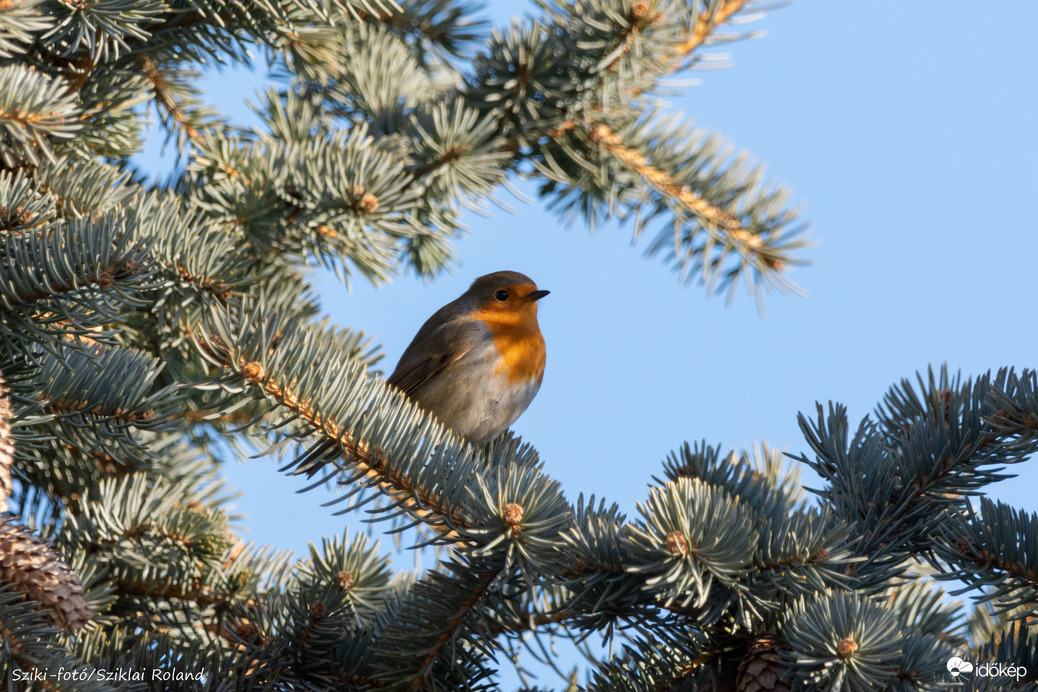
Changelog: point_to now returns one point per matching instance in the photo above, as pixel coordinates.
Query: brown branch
(982, 557)
(640, 18)
(705, 24)
(716, 218)
(79, 71)
(790, 560)
(685, 672)
(200, 416)
(106, 463)
(103, 279)
(27, 118)
(168, 590)
(318, 611)
(219, 289)
(400, 21)
(449, 155)
(60, 202)
(371, 460)
(532, 623)
(27, 664)
(67, 406)
(164, 97)
(453, 624)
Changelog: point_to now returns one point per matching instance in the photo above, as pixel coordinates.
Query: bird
(478, 362)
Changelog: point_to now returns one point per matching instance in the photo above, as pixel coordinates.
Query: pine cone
(761, 667)
(6, 445)
(30, 564)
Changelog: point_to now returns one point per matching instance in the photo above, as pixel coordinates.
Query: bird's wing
(438, 344)
(412, 374)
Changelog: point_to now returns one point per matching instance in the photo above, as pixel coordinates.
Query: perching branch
(369, 463)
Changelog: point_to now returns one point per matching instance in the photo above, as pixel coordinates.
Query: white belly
(475, 401)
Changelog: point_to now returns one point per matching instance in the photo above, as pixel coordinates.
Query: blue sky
(906, 129)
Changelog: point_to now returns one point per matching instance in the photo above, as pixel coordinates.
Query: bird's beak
(536, 295)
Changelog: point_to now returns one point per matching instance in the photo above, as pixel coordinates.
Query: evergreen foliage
(142, 325)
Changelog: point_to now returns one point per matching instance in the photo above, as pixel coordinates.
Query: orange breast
(518, 340)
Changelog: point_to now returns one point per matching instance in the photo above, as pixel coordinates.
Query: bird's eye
(501, 295)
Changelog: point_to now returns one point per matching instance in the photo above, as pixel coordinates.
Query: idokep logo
(958, 668)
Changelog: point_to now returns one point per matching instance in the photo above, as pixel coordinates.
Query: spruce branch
(448, 633)
(443, 26)
(102, 31)
(257, 363)
(22, 204)
(751, 236)
(1016, 408)
(215, 29)
(641, 15)
(192, 253)
(50, 264)
(373, 151)
(85, 188)
(757, 479)
(357, 568)
(532, 622)
(164, 97)
(714, 15)
(20, 20)
(589, 138)
(842, 641)
(1019, 646)
(686, 542)
(34, 109)
(104, 387)
(714, 217)
(921, 607)
(437, 635)
(662, 661)
(161, 544)
(994, 550)
(899, 479)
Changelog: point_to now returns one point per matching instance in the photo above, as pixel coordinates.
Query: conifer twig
(641, 16)
(371, 460)
(447, 636)
(715, 218)
(704, 25)
(165, 98)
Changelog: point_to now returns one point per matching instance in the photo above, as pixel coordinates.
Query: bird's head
(505, 298)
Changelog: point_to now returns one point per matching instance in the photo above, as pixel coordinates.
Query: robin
(478, 362)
